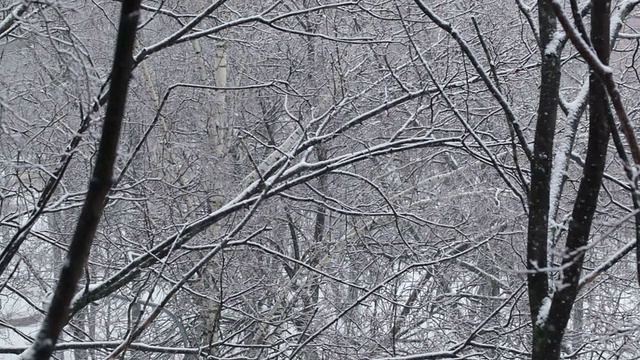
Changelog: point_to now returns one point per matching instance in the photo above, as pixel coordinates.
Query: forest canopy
(298, 179)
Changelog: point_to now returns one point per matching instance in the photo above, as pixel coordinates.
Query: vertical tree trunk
(218, 130)
(549, 328)
(537, 241)
(219, 125)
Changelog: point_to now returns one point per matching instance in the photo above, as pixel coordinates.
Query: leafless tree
(326, 179)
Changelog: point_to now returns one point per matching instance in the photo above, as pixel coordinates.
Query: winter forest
(319, 179)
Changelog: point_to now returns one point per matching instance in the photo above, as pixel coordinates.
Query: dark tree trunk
(99, 186)
(549, 330)
(538, 281)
